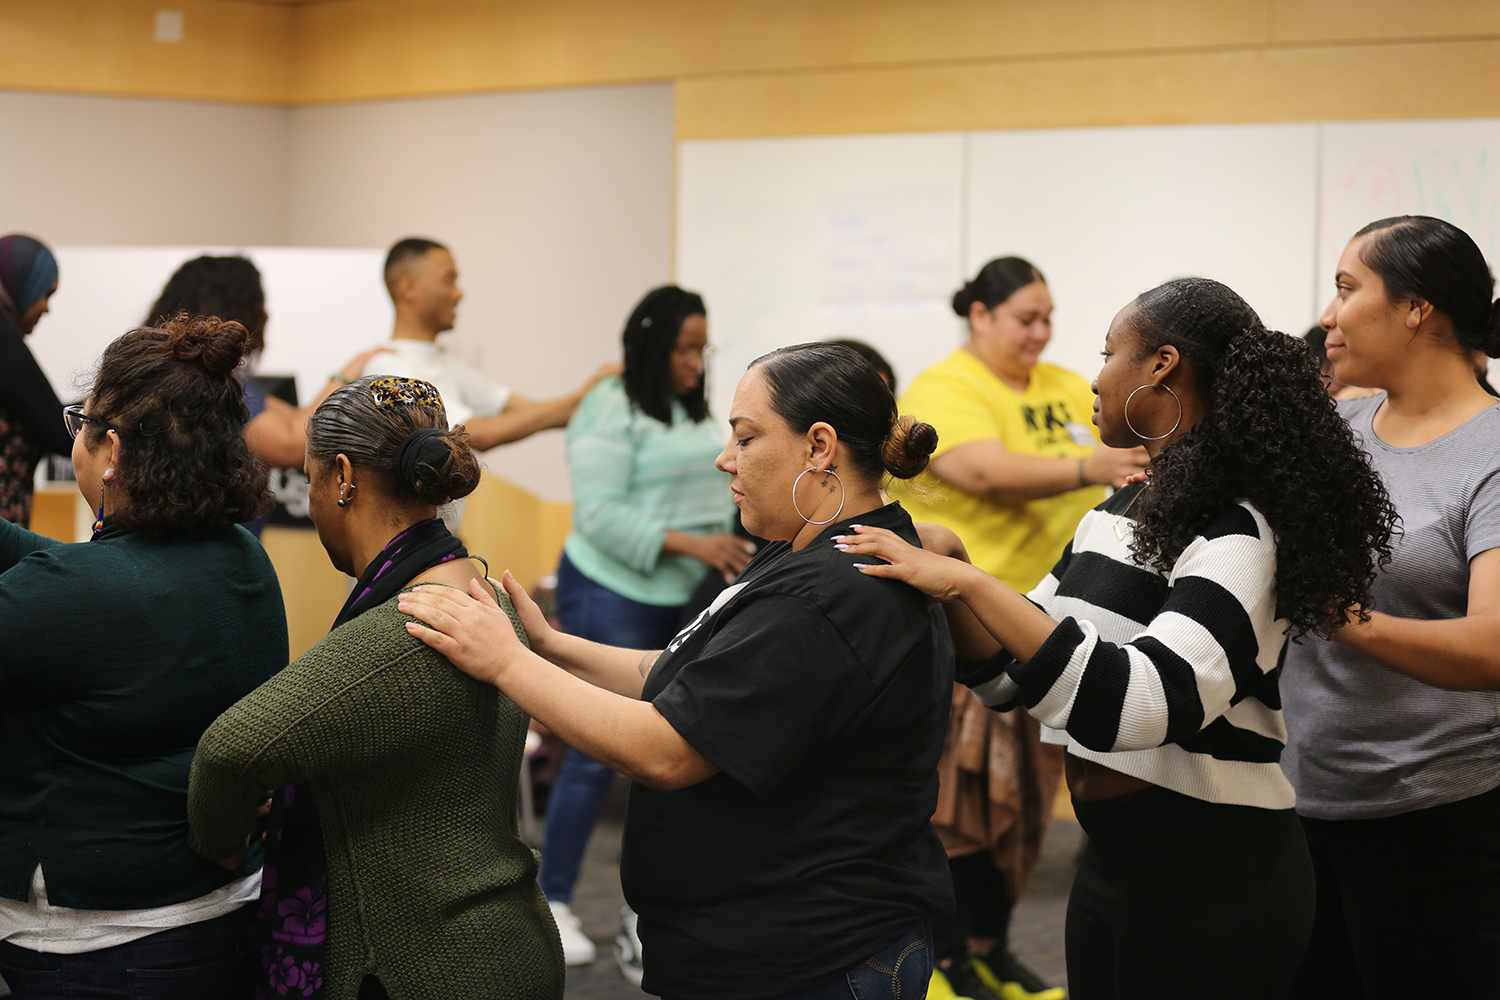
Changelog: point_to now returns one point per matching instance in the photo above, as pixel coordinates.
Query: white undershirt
(40, 926)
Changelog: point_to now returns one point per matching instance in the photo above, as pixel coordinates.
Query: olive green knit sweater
(414, 770)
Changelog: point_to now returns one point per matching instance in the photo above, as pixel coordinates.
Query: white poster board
(796, 240)
(1108, 213)
(325, 306)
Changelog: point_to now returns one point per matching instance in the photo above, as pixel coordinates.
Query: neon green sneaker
(938, 988)
(1004, 974)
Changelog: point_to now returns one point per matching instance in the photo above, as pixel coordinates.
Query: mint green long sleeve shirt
(634, 478)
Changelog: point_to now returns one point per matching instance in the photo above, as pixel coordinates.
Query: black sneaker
(966, 982)
(1002, 969)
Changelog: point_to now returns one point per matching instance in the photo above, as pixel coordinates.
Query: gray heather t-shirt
(1366, 741)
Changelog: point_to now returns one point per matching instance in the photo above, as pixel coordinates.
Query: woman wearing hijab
(29, 427)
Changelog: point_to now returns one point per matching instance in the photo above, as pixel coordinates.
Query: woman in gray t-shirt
(1394, 726)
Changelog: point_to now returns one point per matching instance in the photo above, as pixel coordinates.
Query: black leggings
(1408, 905)
(982, 893)
(1180, 898)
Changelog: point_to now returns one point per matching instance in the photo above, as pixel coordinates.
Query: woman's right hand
(1107, 466)
(469, 629)
(539, 632)
(724, 552)
(939, 577)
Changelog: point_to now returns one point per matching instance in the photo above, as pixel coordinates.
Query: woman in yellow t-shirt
(1018, 465)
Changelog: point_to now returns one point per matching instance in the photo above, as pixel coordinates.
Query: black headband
(409, 453)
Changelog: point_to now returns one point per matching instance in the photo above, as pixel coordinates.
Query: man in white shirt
(423, 282)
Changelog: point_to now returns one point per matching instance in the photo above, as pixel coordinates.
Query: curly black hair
(1272, 436)
(173, 395)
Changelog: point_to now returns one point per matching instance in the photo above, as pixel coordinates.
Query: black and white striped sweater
(1170, 678)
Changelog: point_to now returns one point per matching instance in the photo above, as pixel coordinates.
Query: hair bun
(908, 447)
(215, 344)
(963, 299)
(436, 464)
(1489, 339)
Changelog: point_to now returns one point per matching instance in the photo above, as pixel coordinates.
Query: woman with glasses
(28, 406)
(394, 863)
(650, 519)
(117, 654)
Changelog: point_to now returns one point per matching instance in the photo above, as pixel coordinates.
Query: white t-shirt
(466, 391)
(37, 925)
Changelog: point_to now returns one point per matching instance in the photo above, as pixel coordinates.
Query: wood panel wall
(797, 67)
(232, 50)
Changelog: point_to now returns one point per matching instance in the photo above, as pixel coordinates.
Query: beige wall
(557, 204)
(109, 170)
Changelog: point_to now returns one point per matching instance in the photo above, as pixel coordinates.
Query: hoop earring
(1158, 437)
(842, 496)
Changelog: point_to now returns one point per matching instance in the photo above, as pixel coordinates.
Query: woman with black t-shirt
(784, 745)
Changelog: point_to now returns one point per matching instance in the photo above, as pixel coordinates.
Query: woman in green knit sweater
(409, 878)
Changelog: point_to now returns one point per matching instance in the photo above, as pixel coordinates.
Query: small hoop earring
(842, 496)
(1137, 433)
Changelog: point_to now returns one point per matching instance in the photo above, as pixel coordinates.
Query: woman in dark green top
(409, 878)
(117, 653)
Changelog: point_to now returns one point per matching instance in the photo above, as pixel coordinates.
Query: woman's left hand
(472, 632)
(939, 577)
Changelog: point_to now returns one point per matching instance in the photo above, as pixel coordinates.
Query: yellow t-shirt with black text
(1017, 541)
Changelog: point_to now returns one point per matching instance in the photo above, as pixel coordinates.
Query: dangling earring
(99, 521)
(842, 496)
(1137, 433)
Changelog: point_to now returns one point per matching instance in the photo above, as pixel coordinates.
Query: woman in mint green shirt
(650, 518)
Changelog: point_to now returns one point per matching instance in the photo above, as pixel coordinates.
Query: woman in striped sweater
(1153, 648)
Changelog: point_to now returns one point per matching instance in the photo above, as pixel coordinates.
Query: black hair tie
(409, 453)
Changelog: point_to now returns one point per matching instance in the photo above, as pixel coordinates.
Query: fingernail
(839, 538)
(856, 526)
(842, 548)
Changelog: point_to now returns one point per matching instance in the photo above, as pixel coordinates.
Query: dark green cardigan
(414, 768)
(116, 655)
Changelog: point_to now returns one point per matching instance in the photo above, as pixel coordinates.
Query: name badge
(1080, 434)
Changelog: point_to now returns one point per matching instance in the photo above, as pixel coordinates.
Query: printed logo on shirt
(1050, 425)
(725, 596)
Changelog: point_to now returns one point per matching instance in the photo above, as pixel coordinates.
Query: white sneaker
(628, 946)
(577, 948)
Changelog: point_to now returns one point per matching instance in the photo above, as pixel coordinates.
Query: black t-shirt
(823, 695)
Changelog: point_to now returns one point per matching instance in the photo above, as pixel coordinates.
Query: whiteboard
(325, 306)
(1108, 213)
(812, 238)
(1373, 170)
(795, 240)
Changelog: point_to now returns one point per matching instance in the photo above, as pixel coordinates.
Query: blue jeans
(214, 958)
(597, 613)
(899, 971)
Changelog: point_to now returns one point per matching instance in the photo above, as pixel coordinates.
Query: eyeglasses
(702, 353)
(74, 418)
